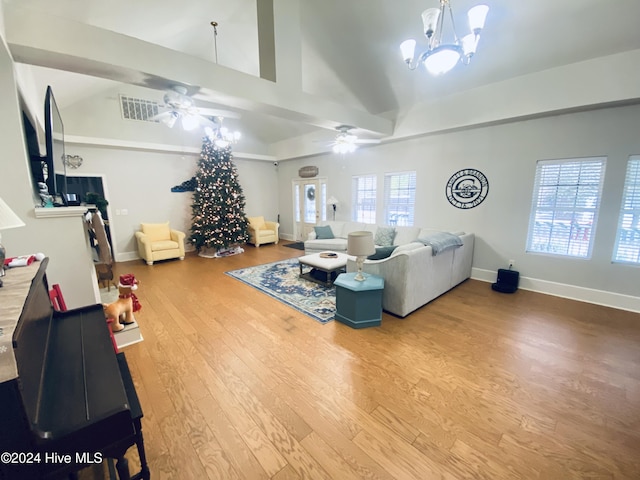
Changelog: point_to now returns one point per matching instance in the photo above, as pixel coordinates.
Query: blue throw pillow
(382, 252)
(324, 232)
(384, 236)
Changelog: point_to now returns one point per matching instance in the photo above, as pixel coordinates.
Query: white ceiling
(349, 48)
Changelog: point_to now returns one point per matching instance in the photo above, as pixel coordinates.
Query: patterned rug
(280, 280)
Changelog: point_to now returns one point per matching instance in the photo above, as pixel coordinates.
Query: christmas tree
(218, 219)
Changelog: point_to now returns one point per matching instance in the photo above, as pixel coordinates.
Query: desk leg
(122, 466)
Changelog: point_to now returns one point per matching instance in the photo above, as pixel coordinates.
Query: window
(399, 198)
(364, 199)
(628, 236)
(566, 198)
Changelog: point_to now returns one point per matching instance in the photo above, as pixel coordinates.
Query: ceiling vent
(139, 109)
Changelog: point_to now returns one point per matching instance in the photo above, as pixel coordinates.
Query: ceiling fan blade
(369, 141)
(159, 117)
(217, 112)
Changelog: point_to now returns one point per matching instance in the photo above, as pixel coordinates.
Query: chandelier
(440, 57)
(221, 136)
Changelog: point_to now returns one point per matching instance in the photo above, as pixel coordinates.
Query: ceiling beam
(39, 39)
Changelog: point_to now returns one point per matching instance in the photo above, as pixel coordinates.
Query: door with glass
(310, 205)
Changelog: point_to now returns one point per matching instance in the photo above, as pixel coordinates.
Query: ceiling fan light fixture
(440, 57)
(343, 148)
(190, 122)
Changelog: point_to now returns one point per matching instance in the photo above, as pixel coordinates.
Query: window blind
(627, 249)
(364, 198)
(566, 199)
(399, 198)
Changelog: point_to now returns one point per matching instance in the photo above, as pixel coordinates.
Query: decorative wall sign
(73, 161)
(467, 188)
(308, 172)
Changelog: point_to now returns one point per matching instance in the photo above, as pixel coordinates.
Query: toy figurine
(121, 311)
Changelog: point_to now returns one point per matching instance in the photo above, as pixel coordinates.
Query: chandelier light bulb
(469, 45)
(408, 48)
(430, 20)
(477, 16)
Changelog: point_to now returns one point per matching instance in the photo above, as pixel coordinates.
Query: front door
(310, 205)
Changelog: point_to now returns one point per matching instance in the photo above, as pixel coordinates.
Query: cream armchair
(157, 241)
(261, 231)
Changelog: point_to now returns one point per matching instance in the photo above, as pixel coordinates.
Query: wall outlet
(512, 263)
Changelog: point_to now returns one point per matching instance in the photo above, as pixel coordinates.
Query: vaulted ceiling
(338, 61)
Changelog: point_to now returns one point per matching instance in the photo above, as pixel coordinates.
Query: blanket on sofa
(441, 241)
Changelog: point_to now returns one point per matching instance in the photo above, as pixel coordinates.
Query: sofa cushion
(156, 231)
(384, 236)
(441, 241)
(382, 252)
(405, 235)
(164, 245)
(350, 227)
(323, 232)
(329, 244)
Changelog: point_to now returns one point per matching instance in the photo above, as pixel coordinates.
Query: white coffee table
(328, 262)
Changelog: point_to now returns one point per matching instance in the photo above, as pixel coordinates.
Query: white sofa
(413, 275)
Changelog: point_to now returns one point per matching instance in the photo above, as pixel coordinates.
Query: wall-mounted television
(55, 175)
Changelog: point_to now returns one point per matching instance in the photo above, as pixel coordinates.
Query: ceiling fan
(346, 142)
(179, 105)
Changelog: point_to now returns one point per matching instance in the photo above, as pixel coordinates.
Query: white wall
(507, 155)
(62, 239)
(140, 182)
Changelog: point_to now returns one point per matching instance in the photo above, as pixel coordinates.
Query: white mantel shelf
(57, 212)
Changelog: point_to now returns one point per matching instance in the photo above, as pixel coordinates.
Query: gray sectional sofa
(414, 273)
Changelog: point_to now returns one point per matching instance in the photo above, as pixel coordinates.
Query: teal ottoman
(359, 304)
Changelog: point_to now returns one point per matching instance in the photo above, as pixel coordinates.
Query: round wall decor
(467, 188)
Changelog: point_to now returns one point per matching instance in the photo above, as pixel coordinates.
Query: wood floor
(475, 385)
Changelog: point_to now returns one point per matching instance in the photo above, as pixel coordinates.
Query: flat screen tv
(56, 178)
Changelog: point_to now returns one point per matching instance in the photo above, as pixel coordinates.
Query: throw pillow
(384, 236)
(382, 252)
(324, 232)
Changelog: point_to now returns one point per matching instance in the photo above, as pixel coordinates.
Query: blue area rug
(281, 281)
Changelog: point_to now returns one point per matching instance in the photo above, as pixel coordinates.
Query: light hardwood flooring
(474, 385)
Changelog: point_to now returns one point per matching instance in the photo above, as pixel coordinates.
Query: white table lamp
(360, 245)
(8, 219)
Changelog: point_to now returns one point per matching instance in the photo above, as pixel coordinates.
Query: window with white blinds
(363, 200)
(627, 248)
(399, 198)
(566, 199)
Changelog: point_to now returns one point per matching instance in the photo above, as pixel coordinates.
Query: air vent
(139, 109)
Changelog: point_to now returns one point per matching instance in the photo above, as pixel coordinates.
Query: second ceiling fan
(347, 142)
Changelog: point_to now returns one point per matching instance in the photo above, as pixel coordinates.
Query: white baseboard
(287, 236)
(582, 294)
(127, 256)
